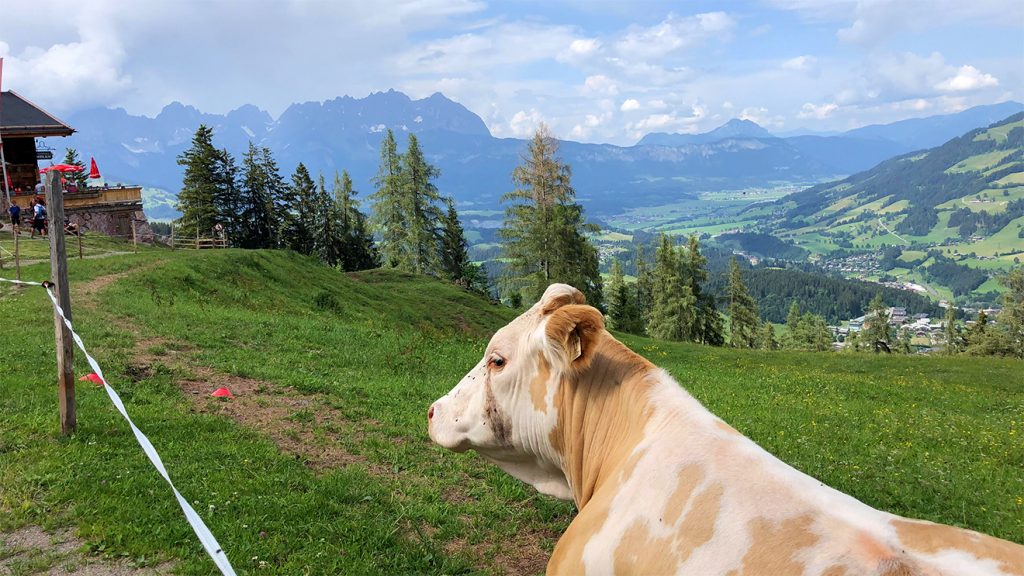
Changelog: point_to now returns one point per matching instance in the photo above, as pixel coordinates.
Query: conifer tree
(954, 342)
(619, 300)
(876, 323)
(707, 325)
(454, 250)
(423, 217)
(1011, 319)
(544, 230)
(227, 197)
(793, 337)
(743, 317)
(358, 250)
(196, 201)
(256, 206)
(644, 289)
(766, 337)
(300, 203)
(672, 311)
(389, 216)
(279, 193)
(78, 178)
(327, 241)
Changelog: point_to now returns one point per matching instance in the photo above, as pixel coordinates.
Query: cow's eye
(497, 361)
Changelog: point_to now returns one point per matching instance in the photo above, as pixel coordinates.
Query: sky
(592, 70)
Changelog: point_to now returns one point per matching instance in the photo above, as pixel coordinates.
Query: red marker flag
(94, 378)
(94, 171)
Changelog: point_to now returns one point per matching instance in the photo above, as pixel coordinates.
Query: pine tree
(76, 178)
(327, 241)
(196, 201)
(423, 217)
(227, 198)
(279, 193)
(644, 290)
(707, 325)
(389, 216)
(876, 323)
(766, 337)
(454, 249)
(300, 202)
(743, 317)
(672, 311)
(256, 206)
(1011, 319)
(954, 343)
(544, 231)
(618, 299)
(358, 250)
(793, 338)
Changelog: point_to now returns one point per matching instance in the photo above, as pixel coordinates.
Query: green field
(322, 465)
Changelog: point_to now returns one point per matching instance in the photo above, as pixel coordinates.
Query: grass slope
(927, 437)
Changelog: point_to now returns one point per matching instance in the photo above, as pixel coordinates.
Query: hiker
(70, 227)
(15, 211)
(39, 218)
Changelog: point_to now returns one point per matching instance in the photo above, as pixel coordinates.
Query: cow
(663, 486)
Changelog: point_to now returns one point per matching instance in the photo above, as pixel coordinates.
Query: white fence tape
(205, 536)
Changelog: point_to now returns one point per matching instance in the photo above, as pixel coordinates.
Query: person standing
(39, 219)
(15, 211)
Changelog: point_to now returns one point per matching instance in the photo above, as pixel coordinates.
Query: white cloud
(630, 105)
(761, 117)
(967, 78)
(673, 34)
(600, 84)
(817, 111)
(808, 64)
(668, 122)
(523, 124)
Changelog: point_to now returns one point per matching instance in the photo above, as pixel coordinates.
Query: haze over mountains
(345, 133)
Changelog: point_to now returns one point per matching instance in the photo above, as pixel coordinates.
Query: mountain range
(345, 133)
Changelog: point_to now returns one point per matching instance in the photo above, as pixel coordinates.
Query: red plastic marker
(222, 393)
(94, 378)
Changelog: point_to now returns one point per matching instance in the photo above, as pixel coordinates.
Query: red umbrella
(94, 171)
(62, 168)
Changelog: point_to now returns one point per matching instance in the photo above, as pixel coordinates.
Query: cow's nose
(430, 412)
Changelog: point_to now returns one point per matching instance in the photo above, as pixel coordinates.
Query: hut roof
(19, 117)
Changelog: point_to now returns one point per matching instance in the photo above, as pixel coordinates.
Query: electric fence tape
(206, 537)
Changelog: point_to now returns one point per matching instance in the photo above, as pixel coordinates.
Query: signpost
(44, 154)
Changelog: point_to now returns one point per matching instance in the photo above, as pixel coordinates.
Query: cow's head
(506, 407)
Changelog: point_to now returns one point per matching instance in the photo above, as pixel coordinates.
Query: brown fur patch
(837, 570)
(539, 385)
(554, 302)
(633, 555)
(897, 567)
(699, 525)
(689, 478)
(776, 546)
(576, 322)
(929, 538)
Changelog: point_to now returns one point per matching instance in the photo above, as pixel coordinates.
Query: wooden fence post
(78, 232)
(135, 240)
(172, 235)
(17, 253)
(59, 277)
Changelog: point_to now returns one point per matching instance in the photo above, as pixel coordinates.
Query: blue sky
(594, 71)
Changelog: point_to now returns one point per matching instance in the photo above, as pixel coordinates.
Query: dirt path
(30, 550)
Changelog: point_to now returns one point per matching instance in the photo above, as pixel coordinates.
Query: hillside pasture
(328, 469)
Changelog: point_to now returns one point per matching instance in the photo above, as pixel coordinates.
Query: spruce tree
(422, 214)
(256, 206)
(876, 323)
(672, 309)
(743, 317)
(954, 342)
(618, 299)
(1011, 319)
(707, 325)
(327, 241)
(279, 193)
(644, 290)
(454, 249)
(766, 337)
(300, 207)
(793, 339)
(77, 178)
(196, 201)
(358, 250)
(227, 197)
(389, 216)
(544, 230)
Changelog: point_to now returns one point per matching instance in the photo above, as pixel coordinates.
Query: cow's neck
(601, 417)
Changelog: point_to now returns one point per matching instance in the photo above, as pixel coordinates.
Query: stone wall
(114, 222)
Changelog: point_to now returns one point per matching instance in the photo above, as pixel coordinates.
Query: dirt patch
(30, 550)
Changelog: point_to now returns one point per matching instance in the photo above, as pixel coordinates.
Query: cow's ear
(572, 333)
(558, 295)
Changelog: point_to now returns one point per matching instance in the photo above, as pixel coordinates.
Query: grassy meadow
(328, 469)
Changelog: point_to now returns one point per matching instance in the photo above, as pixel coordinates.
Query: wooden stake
(78, 232)
(59, 276)
(135, 240)
(172, 235)
(17, 252)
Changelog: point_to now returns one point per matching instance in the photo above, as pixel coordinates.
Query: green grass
(980, 162)
(926, 437)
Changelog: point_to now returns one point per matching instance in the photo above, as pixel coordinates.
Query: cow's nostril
(430, 413)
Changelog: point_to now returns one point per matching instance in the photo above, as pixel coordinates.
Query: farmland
(322, 464)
